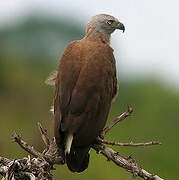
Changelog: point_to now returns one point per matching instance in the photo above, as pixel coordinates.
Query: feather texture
(86, 84)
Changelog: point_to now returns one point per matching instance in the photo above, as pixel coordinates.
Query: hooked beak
(120, 26)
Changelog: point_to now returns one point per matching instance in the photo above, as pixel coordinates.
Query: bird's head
(104, 24)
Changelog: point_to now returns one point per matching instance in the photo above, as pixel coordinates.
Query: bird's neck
(95, 36)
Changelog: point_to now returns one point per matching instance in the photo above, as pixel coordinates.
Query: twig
(4, 161)
(133, 177)
(52, 150)
(3, 165)
(30, 149)
(44, 135)
(131, 144)
(51, 156)
(26, 168)
(114, 122)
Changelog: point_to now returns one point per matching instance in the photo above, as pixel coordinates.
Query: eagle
(85, 86)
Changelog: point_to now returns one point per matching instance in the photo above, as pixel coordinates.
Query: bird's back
(86, 89)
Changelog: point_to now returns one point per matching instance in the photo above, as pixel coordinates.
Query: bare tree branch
(50, 154)
(128, 164)
(130, 144)
(26, 168)
(114, 122)
(30, 149)
(44, 135)
(40, 167)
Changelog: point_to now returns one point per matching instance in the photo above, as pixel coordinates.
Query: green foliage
(25, 100)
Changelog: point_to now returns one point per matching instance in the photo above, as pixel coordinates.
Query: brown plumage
(86, 83)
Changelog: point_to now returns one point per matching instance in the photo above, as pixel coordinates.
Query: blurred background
(34, 34)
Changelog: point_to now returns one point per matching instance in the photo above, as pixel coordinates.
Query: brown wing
(85, 86)
(69, 69)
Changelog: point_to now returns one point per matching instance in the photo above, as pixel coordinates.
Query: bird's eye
(110, 22)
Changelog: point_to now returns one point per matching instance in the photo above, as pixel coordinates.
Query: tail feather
(78, 158)
(68, 143)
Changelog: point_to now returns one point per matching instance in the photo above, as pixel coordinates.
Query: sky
(149, 44)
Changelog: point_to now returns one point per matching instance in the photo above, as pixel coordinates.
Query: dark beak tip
(121, 27)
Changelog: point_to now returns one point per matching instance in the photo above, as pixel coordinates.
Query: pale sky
(149, 45)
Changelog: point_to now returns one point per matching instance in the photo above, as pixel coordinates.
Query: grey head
(104, 24)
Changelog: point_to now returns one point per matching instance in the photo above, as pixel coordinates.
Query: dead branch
(44, 135)
(50, 154)
(25, 168)
(40, 167)
(129, 164)
(130, 144)
(114, 122)
(30, 149)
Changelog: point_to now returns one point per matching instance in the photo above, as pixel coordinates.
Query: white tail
(69, 140)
